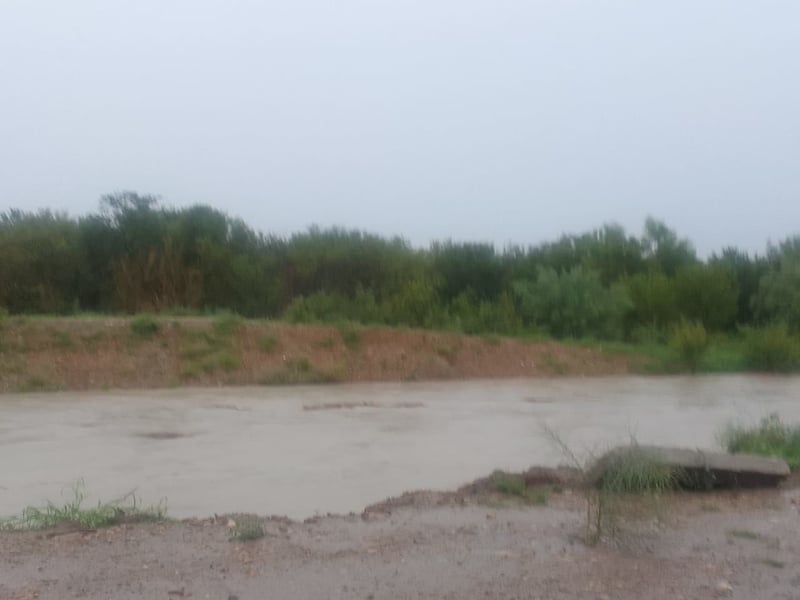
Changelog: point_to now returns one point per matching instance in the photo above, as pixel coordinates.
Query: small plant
(743, 534)
(268, 343)
(73, 513)
(145, 326)
(296, 372)
(3, 315)
(62, 340)
(771, 349)
(510, 484)
(690, 341)
(351, 338)
(770, 438)
(227, 325)
(247, 529)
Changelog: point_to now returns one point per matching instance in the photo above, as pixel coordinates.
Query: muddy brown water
(301, 451)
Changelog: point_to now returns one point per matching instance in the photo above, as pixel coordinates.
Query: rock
(703, 468)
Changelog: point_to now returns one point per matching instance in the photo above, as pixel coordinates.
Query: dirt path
(730, 545)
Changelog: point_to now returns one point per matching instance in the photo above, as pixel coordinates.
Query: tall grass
(770, 437)
(73, 513)
(771, 348)
(690, 341)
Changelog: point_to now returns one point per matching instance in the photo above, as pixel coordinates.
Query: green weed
(690, 341)
(145, 326)
(770, 437)
(351, 338)
(771, 349)
(247, 529)
(228, 324)
(296, 372)
(73, 513)
(743, 534)
(268, 343)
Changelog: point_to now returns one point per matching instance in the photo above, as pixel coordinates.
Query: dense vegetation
(136, 256)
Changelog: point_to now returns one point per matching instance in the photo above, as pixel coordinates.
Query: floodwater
(301, 451)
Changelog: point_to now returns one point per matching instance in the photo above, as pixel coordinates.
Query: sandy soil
(463, 545)
(103, 353)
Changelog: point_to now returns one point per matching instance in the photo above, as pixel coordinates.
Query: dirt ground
(465, 545)
(41, 354)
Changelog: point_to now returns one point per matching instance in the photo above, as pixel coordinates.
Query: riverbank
(467, 544)
(42, 354)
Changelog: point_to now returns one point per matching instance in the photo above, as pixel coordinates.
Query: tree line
(135, 255)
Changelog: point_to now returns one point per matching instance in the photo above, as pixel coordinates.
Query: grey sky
(481, 120)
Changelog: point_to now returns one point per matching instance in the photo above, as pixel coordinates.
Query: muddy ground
(470, 544)
(43, 354)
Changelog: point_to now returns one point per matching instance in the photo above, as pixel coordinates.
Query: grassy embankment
(39, 353)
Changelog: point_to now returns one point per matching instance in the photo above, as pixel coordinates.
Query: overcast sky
(475, 120)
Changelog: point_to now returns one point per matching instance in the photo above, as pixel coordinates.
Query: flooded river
(301, 451)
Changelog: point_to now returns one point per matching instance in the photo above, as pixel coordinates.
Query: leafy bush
(323, 307)
(708, 295)
(690, 340)
(771, 348)
(572, 304)
(145, 326)
(770, 438)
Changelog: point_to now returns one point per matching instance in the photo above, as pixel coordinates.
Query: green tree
(572, 304)
(707, 294)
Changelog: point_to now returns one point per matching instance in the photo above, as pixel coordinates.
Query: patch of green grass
(62, 340)
(775, 564)
(268, 343)
(207, 352)
(37, 383)
(514, 485)
(743, 534)
(296, 372)
(633, 471)
(770, 437)
(553, 363)
(145, 326)
(351, 338)
(228, 324)
(247, 529)
(73, 513)
(690, 341)
(510, 484)
(771, 349)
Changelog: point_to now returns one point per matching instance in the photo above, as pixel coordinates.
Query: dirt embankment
(102, 353)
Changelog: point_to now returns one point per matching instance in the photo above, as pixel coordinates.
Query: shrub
(573, 304)
(145, 326)
(770, 438)
(228, 324)
(351, 337)
(268, 343)
(513, 485)
(247, 529)
(690, 341)
(770, 348)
